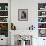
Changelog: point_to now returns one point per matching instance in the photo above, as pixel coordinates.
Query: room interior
(22, 22)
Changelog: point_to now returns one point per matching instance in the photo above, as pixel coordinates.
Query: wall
(32, 6)
(32, 13)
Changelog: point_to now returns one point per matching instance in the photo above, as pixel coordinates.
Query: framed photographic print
(23, 14)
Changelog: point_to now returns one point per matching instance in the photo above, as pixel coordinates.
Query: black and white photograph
(23, 14)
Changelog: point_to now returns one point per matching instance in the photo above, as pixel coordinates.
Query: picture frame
(22, 14)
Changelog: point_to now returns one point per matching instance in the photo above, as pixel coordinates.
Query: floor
(3, 45)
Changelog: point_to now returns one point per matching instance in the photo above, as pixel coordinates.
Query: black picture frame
(22, 14)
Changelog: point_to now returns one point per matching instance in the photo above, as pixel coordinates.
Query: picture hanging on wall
(23, 14)
(42, 33)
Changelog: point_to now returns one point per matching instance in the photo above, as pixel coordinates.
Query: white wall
(32, 6)
(32, 13)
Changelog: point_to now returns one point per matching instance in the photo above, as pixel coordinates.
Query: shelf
(3, 22)
(41, 28)
(3, 10)
(42, 16)
(4, 19)
(3, 16)
(42, 19)
(41, 22)
(41, 10)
